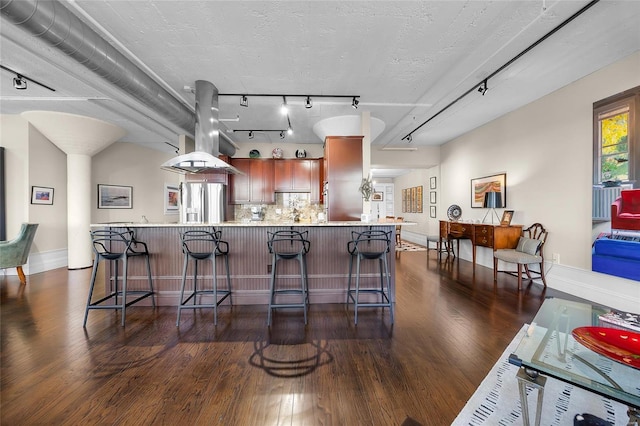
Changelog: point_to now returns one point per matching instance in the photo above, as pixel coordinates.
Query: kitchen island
(250, 261)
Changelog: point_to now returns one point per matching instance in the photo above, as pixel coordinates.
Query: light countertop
(246, 224)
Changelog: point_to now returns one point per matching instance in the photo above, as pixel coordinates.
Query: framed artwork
(432, 197)
(493, 183)
(377, 196)
(432, 182)
(115, 197)
(419, 199)
(413, 200)
(171, 197)
(404, 201)
(506, 218)
(41, 195)
(432, 211)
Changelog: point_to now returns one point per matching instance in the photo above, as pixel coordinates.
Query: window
(616, 147)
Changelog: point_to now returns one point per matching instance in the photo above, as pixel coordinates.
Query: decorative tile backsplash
(289, 207)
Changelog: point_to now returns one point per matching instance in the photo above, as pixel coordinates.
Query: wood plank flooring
(451, 326)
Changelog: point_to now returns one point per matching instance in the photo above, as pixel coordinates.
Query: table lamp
(493, 201)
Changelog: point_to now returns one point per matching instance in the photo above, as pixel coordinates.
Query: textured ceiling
(405, 59)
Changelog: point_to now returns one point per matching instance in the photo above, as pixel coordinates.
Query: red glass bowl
(619, 345)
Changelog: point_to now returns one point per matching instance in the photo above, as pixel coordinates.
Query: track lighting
(355, 102)
(410, 138)
(483, 88)
(251, 134)
(244, 101)
(282, 134)
(284, 110)
(19, 82)
(289, 131)
(307, 103)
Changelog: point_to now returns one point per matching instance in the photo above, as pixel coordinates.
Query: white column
(365, 128)
(79, 210)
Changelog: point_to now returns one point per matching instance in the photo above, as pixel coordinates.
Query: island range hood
(207, 138)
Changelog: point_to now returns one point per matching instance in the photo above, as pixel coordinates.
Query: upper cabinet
(295, 175)
(343, 174)
(256, 185)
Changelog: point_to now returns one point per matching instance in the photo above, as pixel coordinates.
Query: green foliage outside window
(614, 148)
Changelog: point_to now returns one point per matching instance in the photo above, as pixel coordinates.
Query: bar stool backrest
(203, 242)
(288, 242)
(111, 244)
(369, 244)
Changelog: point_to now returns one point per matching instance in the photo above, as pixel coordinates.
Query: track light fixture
(244, 101)
(483, 88)
(251, 134)
(355, 102)
(282, 134)
(307, 103)
(289, 131)
(410, 138)
(19, 82)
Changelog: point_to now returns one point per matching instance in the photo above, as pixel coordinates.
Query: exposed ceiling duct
(207, 137)
(52, 22)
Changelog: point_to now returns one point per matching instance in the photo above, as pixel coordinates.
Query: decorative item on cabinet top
(277, 153)
(254, 153)
(301, 153)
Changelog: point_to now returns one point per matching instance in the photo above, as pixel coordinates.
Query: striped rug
(408, 246)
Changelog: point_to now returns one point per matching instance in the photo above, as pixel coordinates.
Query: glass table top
(549, 348)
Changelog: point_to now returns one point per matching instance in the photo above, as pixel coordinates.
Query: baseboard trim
(42, 262)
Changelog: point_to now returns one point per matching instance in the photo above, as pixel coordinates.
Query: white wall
(545, 148)
(24, 148)
(133, 165)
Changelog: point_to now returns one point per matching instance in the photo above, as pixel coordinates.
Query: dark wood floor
(451, 326)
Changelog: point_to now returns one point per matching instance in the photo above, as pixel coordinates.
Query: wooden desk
(481, 234)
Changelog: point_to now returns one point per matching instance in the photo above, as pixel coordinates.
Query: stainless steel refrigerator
(202, 202)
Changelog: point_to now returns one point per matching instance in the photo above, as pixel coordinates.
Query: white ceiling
(405, 59)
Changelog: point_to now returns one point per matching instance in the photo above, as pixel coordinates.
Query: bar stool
(289, 245)
(114, 246)
(370, 245)
(199, 245)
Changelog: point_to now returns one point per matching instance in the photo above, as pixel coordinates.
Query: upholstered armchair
(625, 210)
(14, 253)
(528, 252)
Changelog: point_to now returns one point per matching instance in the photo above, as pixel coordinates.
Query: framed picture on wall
(493, 183)
(419, 199)
(171, 196)
(41, 195)
(432, 211)
(377, 196)
(115, 197)
(432, 197)
(432, 182)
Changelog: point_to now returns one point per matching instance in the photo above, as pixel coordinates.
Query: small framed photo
(506, 218)
(377, 196)
(432, 197)
(432, 211)
(115, 197)
(171, 197)
(41, 195)
(432, 182)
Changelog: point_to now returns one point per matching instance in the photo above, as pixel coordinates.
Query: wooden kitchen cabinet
(293, 175)
(343, 174)
(256, 186)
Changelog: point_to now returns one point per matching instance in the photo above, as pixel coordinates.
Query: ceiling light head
(244, 101)
(282, 134)
(19, 82)
(307, 103)
(409, 138)
(289, 131)
(251, 134)
(355, 102)
(284, 110)
(483, 88)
